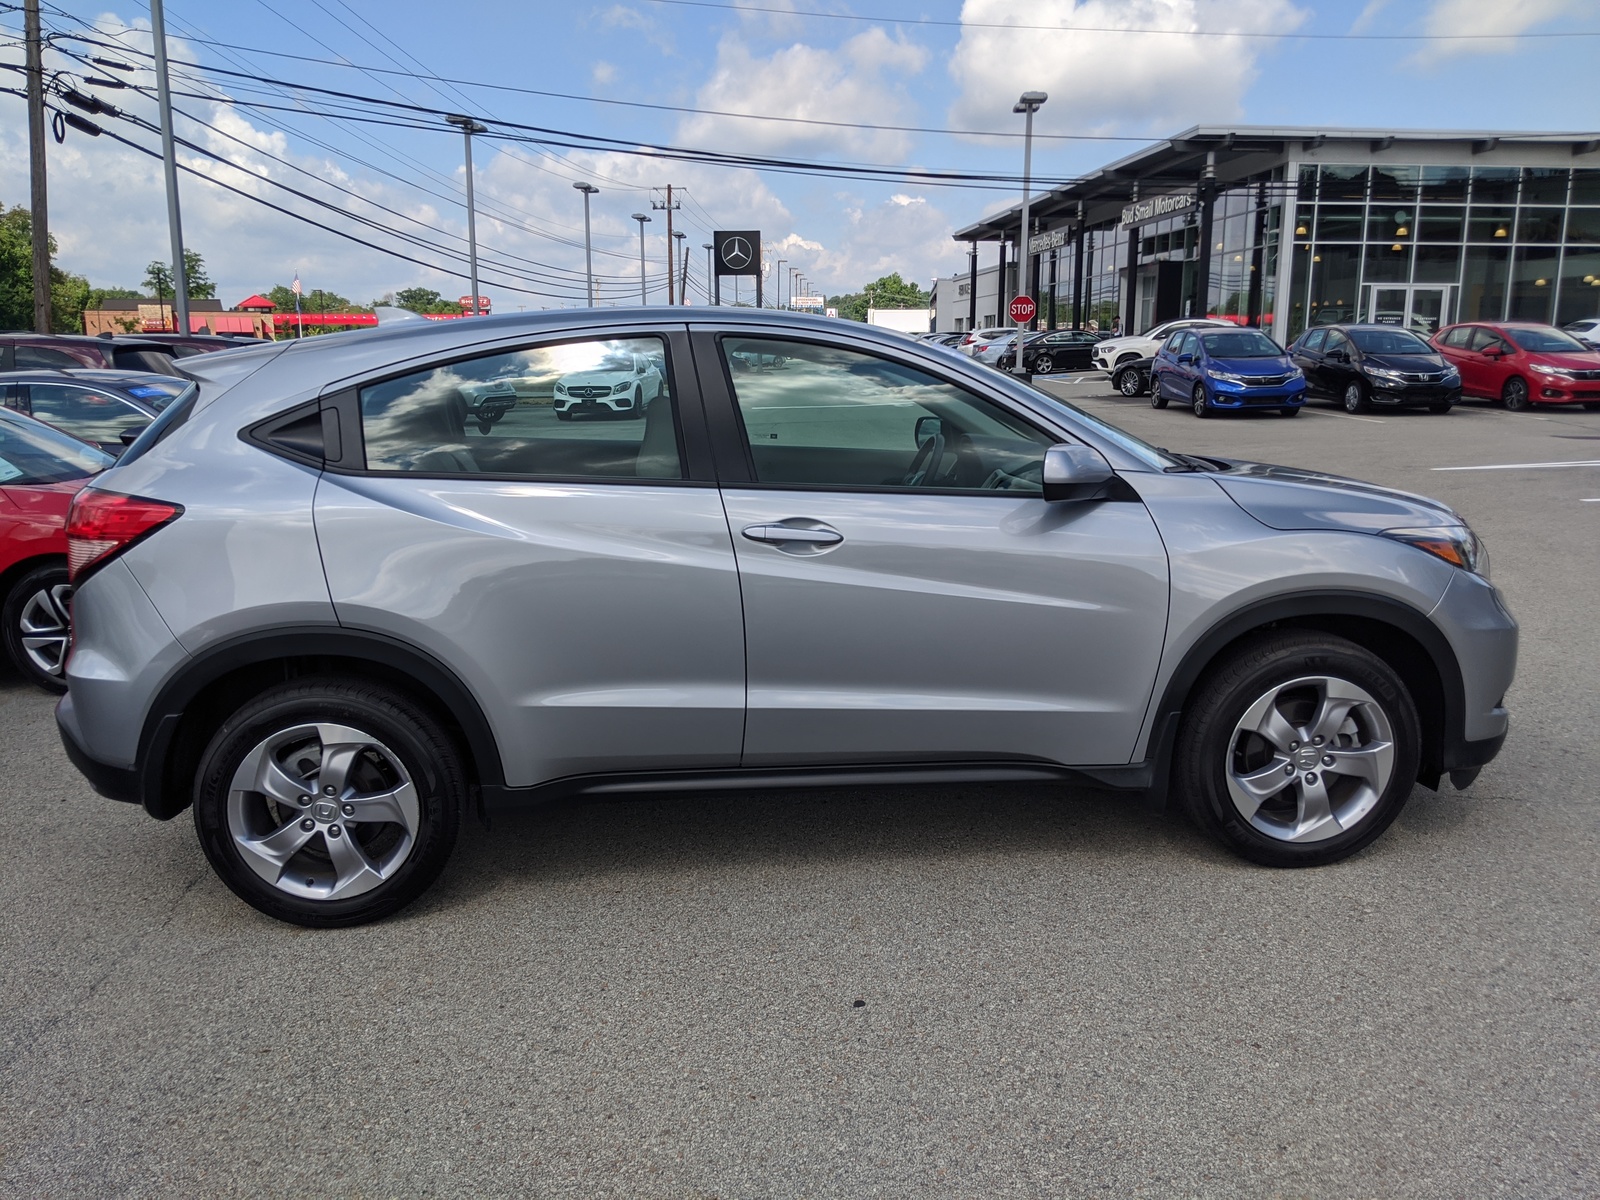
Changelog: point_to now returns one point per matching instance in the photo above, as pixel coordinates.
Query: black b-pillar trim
(1202, 266)
(972, 287)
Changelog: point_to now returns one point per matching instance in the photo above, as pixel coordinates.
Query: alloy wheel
(1516, 395)
(1310, 758)
(1354, 399)
(1045, 365)
(1201, 409)
(323, 811)
(1128, 383)
(46, 628)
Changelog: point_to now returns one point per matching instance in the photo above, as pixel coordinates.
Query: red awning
(233, 324)
(255, 304)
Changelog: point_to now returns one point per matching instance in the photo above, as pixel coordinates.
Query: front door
(574, 573)
(908, 595)
(1423, 309)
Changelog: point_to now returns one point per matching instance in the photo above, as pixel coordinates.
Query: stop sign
(1023, 308)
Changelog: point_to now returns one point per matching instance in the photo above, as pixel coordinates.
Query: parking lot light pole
(641, 218)
(588, 189)
(1028, 105)
(169, 163)
(777, 279)
(710, 277)
(469, 127)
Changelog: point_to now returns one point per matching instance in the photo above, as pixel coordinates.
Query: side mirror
(129, 436)
(927, 429)
(1491, 352)
(1185, 359)
(1076, 473)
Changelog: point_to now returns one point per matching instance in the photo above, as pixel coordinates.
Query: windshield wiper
(1188, 462)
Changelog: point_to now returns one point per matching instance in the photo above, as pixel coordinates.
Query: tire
(1283, 683)
(1044, 365)
(1515, 395)
(407, 773)
(563, 414)
(1126, 358)
(1290, 412)
(1440, 409)
(38, 625)
(485, 426)
(637, 411)
(1127, 381)
(1355, 397)
(1197, 401)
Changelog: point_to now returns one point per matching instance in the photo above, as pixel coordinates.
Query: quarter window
(585, 409)
(823, 416)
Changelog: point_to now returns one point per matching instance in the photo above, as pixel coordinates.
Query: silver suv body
(321, 606)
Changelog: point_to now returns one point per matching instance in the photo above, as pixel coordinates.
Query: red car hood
(1571, 361)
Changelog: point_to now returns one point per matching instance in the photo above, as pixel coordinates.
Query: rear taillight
(102, 525)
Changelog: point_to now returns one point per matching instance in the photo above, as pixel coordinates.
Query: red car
(1521, 364)
(41, 470)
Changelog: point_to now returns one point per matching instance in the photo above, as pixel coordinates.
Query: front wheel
(1290, 412)
(1298, 750)
(1127, 381)
(1198, 401)
(38, 625)
(1515, 395)
(325, 803)
(1355, 397)
(563, 414)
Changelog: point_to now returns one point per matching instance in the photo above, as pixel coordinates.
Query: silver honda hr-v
(323, 609)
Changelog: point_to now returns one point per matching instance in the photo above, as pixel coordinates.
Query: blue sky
(1117, 81)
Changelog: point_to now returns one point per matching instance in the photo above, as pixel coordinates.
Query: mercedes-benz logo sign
(736, 253)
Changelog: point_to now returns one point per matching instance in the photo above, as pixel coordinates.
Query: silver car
(314, 608)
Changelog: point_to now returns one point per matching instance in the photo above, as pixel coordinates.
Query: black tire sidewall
(1508, 396)
(1204, 741)
(24, 589)
(1198, 402)
(1355, 405)
(422, 747)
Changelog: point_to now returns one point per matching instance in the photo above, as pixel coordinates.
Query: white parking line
(1590, 500)
(1347, 417)
(1582, 462)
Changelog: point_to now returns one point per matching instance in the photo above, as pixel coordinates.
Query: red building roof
(255, 304)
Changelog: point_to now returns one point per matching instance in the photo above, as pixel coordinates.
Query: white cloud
(1369, 16)
(854, 83)
(604, 72)
(1498, 17)
(1099, 81)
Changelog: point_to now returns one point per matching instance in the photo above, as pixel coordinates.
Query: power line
(936, 22)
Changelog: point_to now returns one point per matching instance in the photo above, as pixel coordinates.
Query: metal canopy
(1240, 151)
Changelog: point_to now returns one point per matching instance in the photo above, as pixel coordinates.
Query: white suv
(1113, 352)
(624, 387)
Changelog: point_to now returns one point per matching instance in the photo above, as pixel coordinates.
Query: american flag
(295, 286)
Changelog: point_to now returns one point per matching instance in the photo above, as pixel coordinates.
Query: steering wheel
(925, 463)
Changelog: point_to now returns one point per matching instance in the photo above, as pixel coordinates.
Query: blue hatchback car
(1226, 369)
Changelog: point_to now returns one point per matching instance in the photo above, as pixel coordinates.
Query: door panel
(948, 627)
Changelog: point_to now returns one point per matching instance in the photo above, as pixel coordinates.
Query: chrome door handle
(797, 536)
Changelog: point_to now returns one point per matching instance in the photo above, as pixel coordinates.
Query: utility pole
(469, 127)
(39, 216)
(588, 189)
(668, 206)
(169, 163)
(641, 218)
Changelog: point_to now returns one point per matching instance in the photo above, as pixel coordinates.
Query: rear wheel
(1298, 749)
(1515, 395)
(325, 803)
(38, 625)
(1045, 365)
(1198, 401)
(1355, 397)
(1128, 382)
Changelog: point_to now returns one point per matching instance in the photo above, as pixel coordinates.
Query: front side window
(823, 416)
(1456, 339)
(1314, 340)
(83, 412)
(1484, 339)
(1337, 341)
(599, 408)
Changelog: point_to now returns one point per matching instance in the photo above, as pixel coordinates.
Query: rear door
(908, 596)
(578, 575)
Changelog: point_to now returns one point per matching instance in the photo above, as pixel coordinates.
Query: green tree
(158, 277)
(424, 300)
(68, 293)
(316, 300)
(888, 292)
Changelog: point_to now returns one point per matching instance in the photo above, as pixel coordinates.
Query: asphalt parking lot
(973, 991)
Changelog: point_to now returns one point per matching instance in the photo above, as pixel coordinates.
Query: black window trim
(736, 466)
(694, 452)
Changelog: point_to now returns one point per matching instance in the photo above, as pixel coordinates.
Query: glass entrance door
(1423, 310)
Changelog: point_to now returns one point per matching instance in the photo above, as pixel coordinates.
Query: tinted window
(41, 358)
(86, 413)
(1313, 340)
(35, 453)
(585, 409)
(1546, 341)
(823, 416)
(1388, 341)
(1244, 343)
(1336, 341)
(130, 359)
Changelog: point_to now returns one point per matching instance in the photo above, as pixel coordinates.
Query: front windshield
(1240, 343)
(32, 452)
(1546, 341)
(1388, 341)
(1151, 456)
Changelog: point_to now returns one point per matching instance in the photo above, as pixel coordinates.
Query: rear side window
(598, 408)
(142, 359)
(42, 358)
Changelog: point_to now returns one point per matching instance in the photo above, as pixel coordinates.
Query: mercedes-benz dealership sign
(737, 252)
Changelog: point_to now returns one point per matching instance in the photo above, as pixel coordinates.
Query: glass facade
(1425, 246)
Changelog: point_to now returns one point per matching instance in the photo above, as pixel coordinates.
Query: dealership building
(1283, 228)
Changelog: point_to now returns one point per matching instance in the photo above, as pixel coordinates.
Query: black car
(107, 409)
(1053, 350)
(46, 351)
(1133, 378)
(1363, 365)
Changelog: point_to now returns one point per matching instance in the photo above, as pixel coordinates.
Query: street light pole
(588, 189)
(641, 218)
(469, 127)
(1028, 105)
(683, 267)
(169, 163)
(778, 280)
(710, 277)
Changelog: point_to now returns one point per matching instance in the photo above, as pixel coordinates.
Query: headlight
(1227, 377)
(1451, 373)
(1558, 372)
(1383, 373)
(561, 389)
(620, 388)
(1456, 544)
(1296, 373)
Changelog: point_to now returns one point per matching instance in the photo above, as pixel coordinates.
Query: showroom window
(596, 408)
(823, 416)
